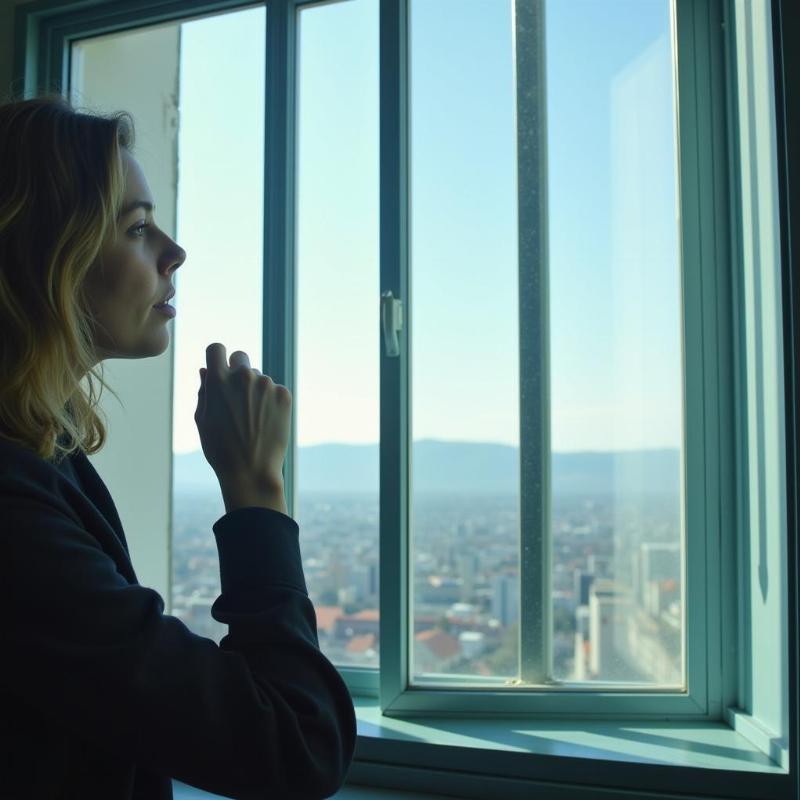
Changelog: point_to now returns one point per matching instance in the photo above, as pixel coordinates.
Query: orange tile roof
(359, 644)
(367, 613)
(327, 616)
(441, 644)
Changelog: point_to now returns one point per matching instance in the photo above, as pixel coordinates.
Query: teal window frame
(713, 388)
(785, 35)
(703, 162)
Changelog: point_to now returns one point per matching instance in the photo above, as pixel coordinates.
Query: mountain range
(462, 467)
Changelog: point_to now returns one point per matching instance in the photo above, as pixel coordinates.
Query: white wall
(138, 72)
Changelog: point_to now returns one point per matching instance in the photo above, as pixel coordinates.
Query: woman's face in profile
(134, 273)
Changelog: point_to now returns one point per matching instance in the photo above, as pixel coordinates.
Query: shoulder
(23, 471)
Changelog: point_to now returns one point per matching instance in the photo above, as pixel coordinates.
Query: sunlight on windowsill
(708, 745)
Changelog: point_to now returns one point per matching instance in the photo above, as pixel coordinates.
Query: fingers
(240, 359)
(201, 396)
(216, 359)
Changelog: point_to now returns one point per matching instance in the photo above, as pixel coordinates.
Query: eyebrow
(137, 204)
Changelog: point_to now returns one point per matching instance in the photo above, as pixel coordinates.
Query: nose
(175, 255)
(180, 255)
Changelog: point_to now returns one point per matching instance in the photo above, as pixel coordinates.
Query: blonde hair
(61, 189)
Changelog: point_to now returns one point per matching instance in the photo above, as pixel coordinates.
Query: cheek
(132, 275)
(127, 280)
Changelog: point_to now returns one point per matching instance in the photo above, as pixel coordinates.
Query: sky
(614, 266)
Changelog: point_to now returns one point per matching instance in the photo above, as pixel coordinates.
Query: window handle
(392, 317)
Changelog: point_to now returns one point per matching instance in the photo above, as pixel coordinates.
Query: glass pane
(196, 92)
(465, 544)
(338, 368)
(220, 225)
(615, 343)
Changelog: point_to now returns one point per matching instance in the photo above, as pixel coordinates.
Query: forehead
(136, 187)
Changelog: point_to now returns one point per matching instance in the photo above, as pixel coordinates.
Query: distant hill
(462, 467)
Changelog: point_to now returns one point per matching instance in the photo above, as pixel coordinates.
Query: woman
(103, 695)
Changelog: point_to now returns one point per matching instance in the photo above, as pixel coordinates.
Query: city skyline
(617, 612)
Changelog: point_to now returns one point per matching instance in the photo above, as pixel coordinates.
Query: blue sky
(614, 262)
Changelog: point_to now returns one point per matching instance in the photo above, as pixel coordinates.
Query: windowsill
(708, 745)
(426, 755)
(577, 751)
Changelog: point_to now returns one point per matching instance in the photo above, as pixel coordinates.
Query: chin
(161, 346)
(152, 347)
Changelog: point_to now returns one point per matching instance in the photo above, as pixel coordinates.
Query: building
(472, 643)
(468, 565)
(505, 598)
(435, 651)
(609, 656)
(656, 565)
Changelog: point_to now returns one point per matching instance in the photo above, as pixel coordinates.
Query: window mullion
(535, 629)
(396, 603)
(278, 284)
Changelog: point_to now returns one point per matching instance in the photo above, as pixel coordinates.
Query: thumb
(201, 392)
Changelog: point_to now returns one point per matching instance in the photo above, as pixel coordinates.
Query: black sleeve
(262, 715)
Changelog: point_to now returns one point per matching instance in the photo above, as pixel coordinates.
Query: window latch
(392, 317)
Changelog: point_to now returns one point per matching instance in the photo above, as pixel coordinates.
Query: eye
(139, 228)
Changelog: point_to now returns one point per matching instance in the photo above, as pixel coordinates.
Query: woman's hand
(244, 420)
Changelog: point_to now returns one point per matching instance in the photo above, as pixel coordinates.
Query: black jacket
(104, 696)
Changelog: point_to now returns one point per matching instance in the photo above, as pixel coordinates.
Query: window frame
(44, 31)
(699, 37)
(786, 71)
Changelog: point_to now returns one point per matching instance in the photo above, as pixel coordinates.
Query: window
(545, 420)
(588, 374)
(518, 263)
